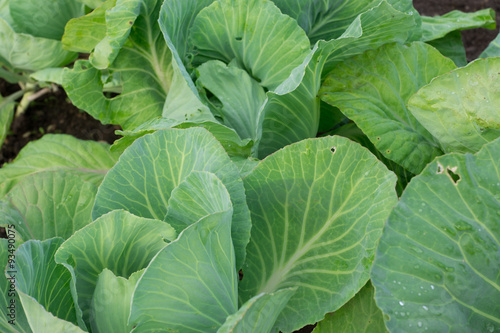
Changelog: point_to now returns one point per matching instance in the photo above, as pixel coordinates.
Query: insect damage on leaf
(455, 177)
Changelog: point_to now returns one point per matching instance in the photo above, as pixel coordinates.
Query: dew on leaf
(463, 226)
(417, 249)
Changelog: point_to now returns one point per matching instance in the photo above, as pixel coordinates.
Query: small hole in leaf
(439, 169)
(239, 38)
(333, 149)
(454, 176)
(240, 274)
(110, 94)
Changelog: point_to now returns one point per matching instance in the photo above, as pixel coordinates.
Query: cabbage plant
(32, 53)
(282, 164)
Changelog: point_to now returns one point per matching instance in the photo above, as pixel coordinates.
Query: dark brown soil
(51, 113)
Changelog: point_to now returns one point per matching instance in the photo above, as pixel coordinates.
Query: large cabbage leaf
(48, 204)
(359, 315)
(141, 74)
(87, 159)
(373, 89)
(329, 19)
(119, 241)
(14, 311)
(45, 288)
(318, 208)
(292, 111)
(460, 108)
(191, 284)
(143, 181)
(437, 264)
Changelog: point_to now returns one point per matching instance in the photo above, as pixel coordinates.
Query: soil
(51, 113)
(54, 113)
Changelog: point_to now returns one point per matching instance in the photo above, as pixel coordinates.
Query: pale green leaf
(82, 34)
(40, 279)
(292, 111)
(439, 26)
(191, 284)
(49, 204)
(240, 95)
(258, 314)
(111, 302)
(46, 19)
(493, 50)
(373, 89)
(42, 321)
(438, 260)
(199, 195)
(183, 101)
(451, 46)
(329, 19)
(460, 108)
(245, 165)
(377, 26)
(155, 164)
(227, 137)
(352, 132)
(119, 22)
(12, 317)
(10, 76)
(88, 159)
(359, 315)
(176, 20)
(5, 12)
(143, 67)
(26, 52)
(151, 126)
(53, 75)
(118, 241)
(248, 32)
(318, 208)
(92, 3)
(6, 116)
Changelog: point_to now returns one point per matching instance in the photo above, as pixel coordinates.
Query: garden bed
(258, 186)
